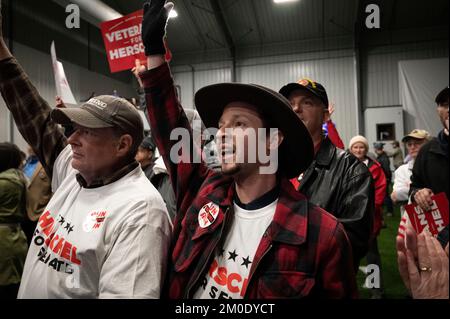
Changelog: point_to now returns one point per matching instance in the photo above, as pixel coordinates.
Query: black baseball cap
(148, 143)
(314, 87)
(378, 145)
(442, 97)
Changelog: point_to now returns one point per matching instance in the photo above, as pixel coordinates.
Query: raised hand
(156, 15)
(138, 68)
(4, 51)
(60, 103)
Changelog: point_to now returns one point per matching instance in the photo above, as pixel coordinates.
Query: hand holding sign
(156, 15)
(434, 219)
(423, 198)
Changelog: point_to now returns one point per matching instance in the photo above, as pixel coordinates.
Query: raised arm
(30, 111)
(164, 110)
(333, 134)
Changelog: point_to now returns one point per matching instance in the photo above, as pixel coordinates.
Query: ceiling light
(173, 14)
(283, 1)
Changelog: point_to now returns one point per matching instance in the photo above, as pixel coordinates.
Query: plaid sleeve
(166, 117)
(31, 114)
(338, 276)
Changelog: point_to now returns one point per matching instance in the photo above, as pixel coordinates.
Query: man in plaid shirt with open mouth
(244, 232)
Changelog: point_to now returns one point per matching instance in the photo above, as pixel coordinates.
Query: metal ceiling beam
(98, 9)
(392, 16)
(258, 25)
(357, 49)
(94, 12)
(359, 22)
(220, 17)
(198, 30)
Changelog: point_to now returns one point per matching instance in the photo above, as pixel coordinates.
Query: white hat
(359, 139)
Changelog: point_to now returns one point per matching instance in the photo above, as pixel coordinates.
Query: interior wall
(39, 68)
(335, 70)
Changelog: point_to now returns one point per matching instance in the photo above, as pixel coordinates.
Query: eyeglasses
(414, 143)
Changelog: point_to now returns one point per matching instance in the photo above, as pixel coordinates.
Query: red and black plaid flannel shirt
(303, 253)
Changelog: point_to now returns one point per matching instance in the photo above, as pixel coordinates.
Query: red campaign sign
(123, 42)
(434, 220)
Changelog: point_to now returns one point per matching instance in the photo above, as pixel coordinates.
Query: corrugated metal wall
(191, 78)
(39, 68)
(335, 70)
(380, 82)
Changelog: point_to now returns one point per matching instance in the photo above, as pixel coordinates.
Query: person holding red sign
(431, 170)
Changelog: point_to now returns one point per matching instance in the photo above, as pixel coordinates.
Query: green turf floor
(393, 285)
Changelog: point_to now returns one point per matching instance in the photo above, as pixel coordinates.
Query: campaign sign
(123, 42)
(434, 220)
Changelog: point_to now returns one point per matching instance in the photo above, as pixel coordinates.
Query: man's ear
(124, 145)
(275, 139)
(150, 154)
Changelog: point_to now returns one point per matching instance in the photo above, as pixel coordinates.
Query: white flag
(62, 86)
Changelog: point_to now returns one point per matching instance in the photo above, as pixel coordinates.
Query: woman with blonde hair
(359, 147)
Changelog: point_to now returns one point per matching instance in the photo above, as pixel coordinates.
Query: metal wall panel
(336, 73)
(380, 82)
(192, 78)
(38, 66)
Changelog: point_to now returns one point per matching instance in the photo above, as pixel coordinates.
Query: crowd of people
(106, 217)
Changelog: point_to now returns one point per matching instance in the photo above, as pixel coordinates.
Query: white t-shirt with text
(107, 242)
(228, 274)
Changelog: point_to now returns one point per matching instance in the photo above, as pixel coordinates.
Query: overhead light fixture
(173, 14)
(284, 1)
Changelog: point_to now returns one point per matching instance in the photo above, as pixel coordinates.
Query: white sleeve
(401, 184)
(62, 167)
(136, 264)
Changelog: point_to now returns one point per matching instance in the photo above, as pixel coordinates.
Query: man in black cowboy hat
(336, 180)
(245, 232)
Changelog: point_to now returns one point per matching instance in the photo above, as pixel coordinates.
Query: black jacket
(342, 185)
(383, 159)
(162, 183)
(431, 167)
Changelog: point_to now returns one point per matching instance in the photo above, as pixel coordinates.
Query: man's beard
(232, 170)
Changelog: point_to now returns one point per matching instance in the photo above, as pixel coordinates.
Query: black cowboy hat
(296, 151)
